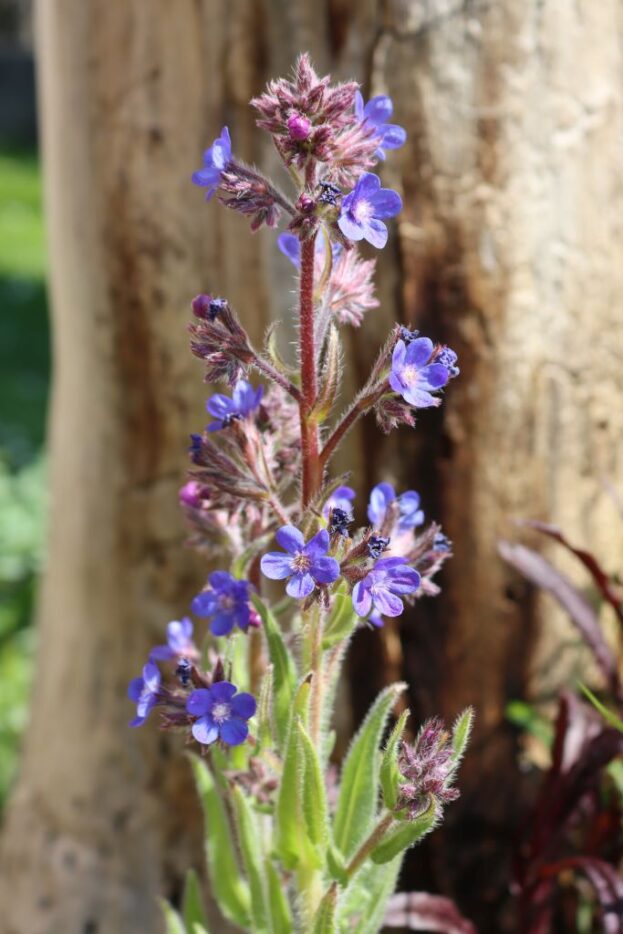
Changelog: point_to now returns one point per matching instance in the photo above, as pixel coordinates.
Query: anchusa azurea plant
(287, 850)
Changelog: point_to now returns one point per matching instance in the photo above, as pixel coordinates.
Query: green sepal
(359, 786)
(314, 792)
(406, 834)
(173, 922)
(284, 671)
(270, 345)
(331, 369)
(252, 857)
(227, 886)
(280, 914)
(336, 865)
(192, 901)
(342, 618)
(325, 917)
(390, 775)
(461, 732)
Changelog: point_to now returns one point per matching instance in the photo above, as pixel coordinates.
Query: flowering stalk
(299, 853)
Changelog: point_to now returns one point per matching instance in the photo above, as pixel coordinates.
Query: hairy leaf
(173, 922)
(192, 901)
(324, 921)
(280, 914)
(252, 857)
(284, 671)
(390, 774)
(314, 792)
(461, 732)
(229, 889)
(359, 787)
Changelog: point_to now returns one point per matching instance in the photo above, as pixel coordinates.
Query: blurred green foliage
(24, 378)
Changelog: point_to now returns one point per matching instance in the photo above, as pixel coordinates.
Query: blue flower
(179, 642)
(382, 588)
(215, 160)
(290, 246)
(245, 400)
(409, 513)
(341, 498)
(363, 210)
(222, 714)
(413, 377)
(225, 603)
(377, 112)
(304, 564)
(145, 691)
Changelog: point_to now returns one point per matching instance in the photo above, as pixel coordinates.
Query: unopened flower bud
(191, 493)
(299, 126)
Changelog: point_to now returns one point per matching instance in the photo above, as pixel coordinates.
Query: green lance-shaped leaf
(265, 708)
(252, 858)
(359, 786)
(390, 775)
(192, 901)
(406, 834)
(199, 929)
(284, 671)
(172, 921)
(280, 914)
(461, 732)
(324, 919)
(342, 618)
(362, 907)
(229, 889)
(381, 887)
(332, 372)
(314, 792)
(292, 842)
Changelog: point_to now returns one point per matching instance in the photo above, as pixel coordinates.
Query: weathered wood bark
(507, 248)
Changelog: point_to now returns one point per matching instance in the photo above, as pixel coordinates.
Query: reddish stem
(312, 472)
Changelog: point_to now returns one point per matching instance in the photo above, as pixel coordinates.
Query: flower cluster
(260, 472)
(427, 768)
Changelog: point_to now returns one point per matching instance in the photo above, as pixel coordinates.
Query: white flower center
(410, 375)
(226, 602)
(221, 712)
(363, 211)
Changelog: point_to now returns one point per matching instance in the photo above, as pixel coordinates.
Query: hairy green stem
(370, 842)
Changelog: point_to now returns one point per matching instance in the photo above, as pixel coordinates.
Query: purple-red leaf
(602, 580)
(607, 883)
(539, 571)
(419, 911)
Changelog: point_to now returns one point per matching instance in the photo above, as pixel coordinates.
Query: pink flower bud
(299, 126)
(190, 494)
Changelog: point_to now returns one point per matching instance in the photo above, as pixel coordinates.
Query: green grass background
(24, 381)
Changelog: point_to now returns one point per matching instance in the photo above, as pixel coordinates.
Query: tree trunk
(506, 249)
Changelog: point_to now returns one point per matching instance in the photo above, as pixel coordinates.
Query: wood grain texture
(508, 248)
